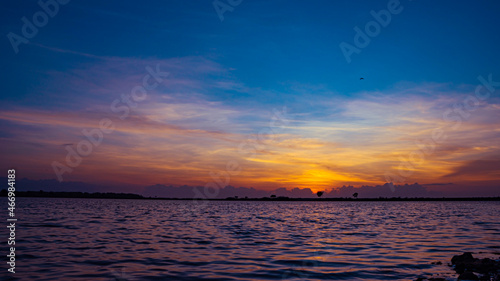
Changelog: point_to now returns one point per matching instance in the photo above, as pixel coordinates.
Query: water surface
(104, 239)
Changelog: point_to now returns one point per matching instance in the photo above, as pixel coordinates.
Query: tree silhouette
(355, 195)
(319, 193)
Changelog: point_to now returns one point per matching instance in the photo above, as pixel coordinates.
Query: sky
(262, 94)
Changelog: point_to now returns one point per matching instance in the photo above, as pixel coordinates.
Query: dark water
(99, 239)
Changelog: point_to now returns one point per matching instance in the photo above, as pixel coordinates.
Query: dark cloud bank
(413, 190)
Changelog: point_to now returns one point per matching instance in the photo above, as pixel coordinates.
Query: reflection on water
(100, 239)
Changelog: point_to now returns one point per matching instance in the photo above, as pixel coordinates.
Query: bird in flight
(361, 78)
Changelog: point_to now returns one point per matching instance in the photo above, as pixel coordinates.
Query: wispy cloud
(187, 128)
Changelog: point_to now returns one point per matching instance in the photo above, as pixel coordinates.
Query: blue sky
(228, 76)
(270, 44)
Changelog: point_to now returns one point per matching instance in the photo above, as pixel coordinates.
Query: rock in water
(463, 258)
(462, 262)
(466, 265)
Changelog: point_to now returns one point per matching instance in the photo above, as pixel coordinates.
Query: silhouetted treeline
(111, 195)
(60, 194)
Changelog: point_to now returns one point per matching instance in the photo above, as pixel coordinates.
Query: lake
(106, 239)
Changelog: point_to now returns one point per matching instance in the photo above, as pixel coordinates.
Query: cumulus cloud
(385, 190)
(407, 190)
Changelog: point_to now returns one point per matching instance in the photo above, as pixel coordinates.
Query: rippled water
(102, 239)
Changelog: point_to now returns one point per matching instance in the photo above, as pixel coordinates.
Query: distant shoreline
(111, 195)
